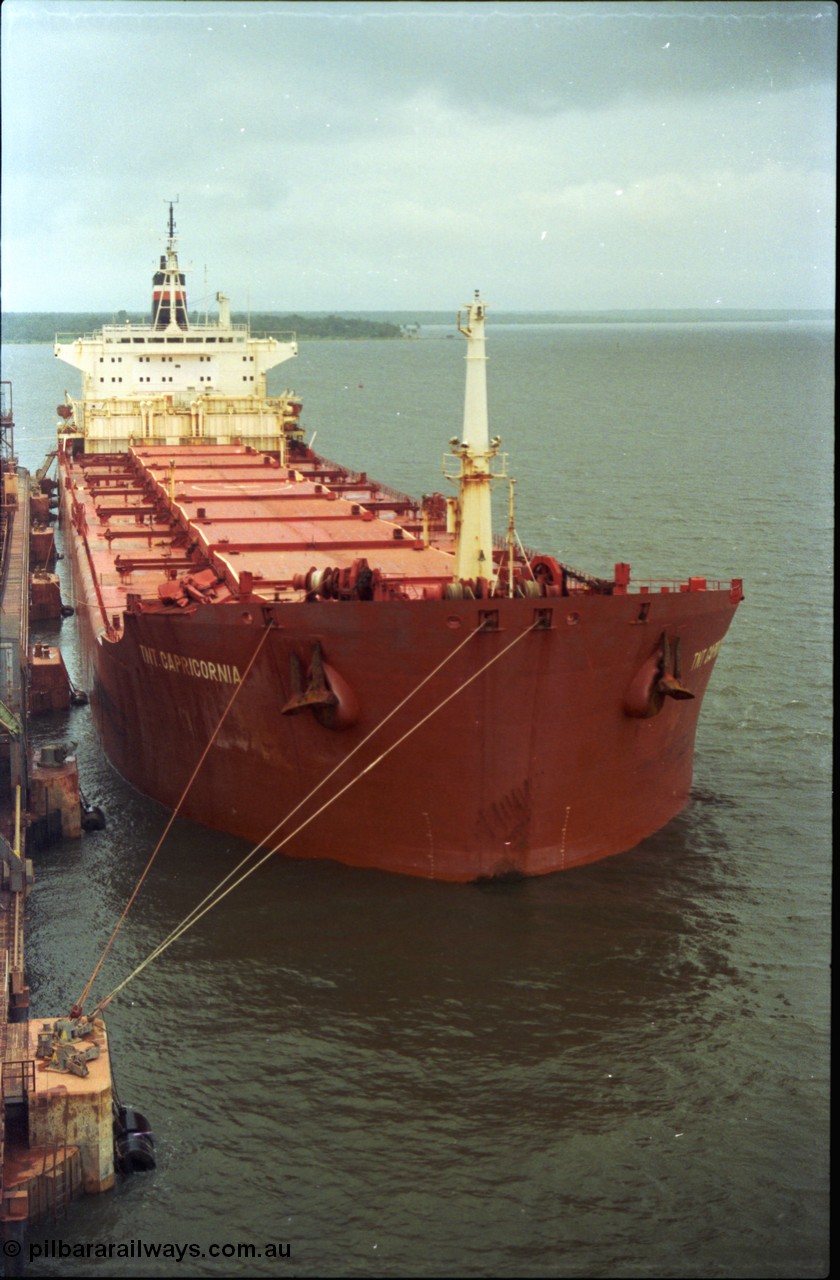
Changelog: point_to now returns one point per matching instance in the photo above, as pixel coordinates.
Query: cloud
(383, 155)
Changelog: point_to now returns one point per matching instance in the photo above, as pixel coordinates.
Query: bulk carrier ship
(281, 648)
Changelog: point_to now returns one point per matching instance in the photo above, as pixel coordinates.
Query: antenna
(172, 204)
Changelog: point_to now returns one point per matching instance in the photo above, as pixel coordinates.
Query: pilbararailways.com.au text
(172, 1251)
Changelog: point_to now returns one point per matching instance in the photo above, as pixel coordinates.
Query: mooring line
(81, 1001)
(211, 895)
(197, 914)
(344, 760)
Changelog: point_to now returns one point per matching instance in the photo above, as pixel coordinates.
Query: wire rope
(197, 914)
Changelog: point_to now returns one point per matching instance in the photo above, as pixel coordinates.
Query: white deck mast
(474, 527)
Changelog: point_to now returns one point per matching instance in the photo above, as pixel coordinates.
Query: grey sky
(397, 155)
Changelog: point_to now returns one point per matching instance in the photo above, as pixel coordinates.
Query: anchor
(654, 682)
(327, 695)
(317, 692)
(669, 685)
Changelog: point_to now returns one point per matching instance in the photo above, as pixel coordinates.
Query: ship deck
(159, 512)
(181, 524)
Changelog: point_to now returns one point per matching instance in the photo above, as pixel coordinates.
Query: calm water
(618, 1071)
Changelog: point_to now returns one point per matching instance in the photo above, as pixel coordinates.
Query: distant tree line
(316, 326)
(42, 326)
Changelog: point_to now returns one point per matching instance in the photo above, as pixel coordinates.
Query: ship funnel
(169, 293)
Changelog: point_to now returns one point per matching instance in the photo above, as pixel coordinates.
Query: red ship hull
(282, 649)
(538, 745)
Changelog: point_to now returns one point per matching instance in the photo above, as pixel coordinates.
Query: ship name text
(702, 656)
(221, 672)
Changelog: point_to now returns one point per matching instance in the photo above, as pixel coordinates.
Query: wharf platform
(57, 1121)
(15, 869)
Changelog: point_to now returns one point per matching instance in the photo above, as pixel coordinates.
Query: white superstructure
(170, 382)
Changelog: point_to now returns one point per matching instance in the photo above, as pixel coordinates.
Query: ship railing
(116, 579)
(123, 332)
(7, 515)
(97, 584)
(280, 335)
(351, 478)
(502, 544)
(19, 1079)
(111, 331)
(662, 586)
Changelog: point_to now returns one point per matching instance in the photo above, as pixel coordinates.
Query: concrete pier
(75, 1111)
(44, 596)
(57, 1120)
(54, 789)
(49, 682)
